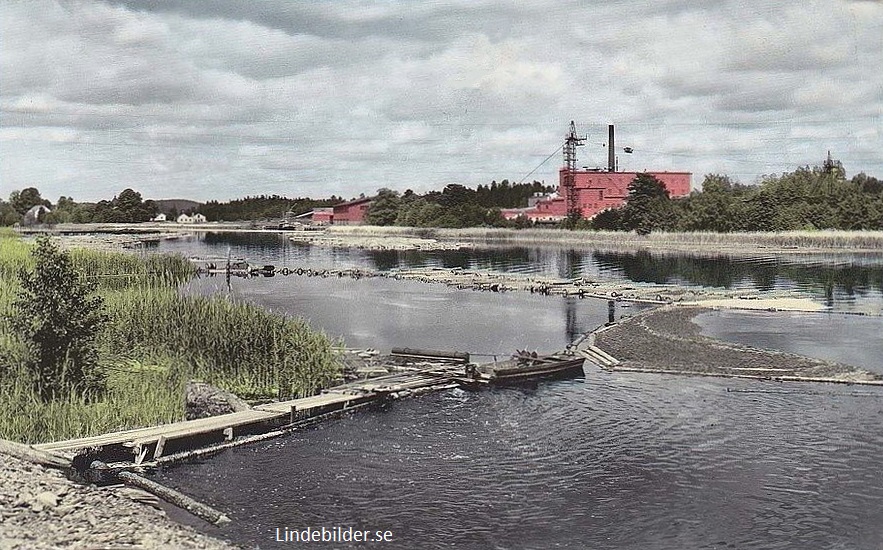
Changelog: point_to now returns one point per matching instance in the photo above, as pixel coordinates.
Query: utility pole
(571, 142)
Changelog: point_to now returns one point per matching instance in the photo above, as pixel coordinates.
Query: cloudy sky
(219, 99)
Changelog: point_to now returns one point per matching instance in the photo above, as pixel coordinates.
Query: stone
(203, 400)
(47, 499)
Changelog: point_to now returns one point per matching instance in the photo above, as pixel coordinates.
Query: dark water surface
(612, 461)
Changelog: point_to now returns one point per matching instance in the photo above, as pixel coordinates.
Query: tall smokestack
(611, 150)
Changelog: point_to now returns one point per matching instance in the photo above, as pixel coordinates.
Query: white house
(35, 215)
(184, 218)
(199, 218)
(158, 218)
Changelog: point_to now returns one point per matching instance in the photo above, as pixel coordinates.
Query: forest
(809, 198)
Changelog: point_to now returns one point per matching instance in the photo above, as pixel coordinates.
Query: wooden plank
(152, 434)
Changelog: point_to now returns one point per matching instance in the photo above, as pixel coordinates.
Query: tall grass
(137, 395)
(237, 345)
(155, 340)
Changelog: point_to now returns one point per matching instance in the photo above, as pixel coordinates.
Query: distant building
(346, 213)
(195, 218)
(322, 216)
(352, 212)
(159, 218)
(595, 191)
(35, 215)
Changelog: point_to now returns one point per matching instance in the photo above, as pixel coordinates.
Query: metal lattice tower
(571, 142)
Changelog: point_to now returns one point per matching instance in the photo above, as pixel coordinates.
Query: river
(614, 460)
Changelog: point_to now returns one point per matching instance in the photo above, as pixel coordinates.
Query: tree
(384, 208)
(26, 199)
(129, 208)
(8, 214)
(58, 320)
(607, 220)
(648, 206)
(713, 208)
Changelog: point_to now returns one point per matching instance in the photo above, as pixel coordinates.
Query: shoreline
(732, 244)
(786, 243)
(41, 509)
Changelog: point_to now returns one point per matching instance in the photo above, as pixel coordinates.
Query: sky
(221, 99)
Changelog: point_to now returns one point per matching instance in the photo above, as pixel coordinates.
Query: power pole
(571, 142)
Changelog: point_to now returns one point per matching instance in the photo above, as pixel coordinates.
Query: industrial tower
(571, 142)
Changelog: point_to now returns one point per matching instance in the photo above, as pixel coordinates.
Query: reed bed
(828, 240)
(155, 340)
(239, 346)
(27, 419)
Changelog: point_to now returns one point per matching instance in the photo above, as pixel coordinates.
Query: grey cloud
(215, 99)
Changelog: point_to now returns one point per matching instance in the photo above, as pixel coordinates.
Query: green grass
(155, 341)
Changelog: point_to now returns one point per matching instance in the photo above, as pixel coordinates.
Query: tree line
(809, 198)
(262, 207)
(127, 207)
(455, 206)
(818, 197)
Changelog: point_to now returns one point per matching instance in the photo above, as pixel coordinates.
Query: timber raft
(495, 281)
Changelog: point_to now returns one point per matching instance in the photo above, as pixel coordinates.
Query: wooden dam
(168, 443)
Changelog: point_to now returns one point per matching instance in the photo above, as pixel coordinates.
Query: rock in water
(202, 400)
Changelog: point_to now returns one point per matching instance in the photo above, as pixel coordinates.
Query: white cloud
(219, 98)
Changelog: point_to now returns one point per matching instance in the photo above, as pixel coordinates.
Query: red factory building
(346, 213)
(592, 190)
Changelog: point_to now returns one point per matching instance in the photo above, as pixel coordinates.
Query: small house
(159, 218)
(184, 218)
(36, 215)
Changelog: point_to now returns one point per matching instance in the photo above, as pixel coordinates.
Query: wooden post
(160, 444)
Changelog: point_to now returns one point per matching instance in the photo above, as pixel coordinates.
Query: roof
(353, 202)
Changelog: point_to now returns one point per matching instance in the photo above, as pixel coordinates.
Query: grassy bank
(736, 243)
(153, 343)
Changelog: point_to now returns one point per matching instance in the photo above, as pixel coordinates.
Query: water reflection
(837, 280)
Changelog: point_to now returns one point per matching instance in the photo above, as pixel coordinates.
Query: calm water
(612, 461)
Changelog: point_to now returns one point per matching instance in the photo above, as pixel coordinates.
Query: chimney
(611, 150)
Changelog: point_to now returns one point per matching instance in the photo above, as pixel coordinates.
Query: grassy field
(785, 241)
(155, 341)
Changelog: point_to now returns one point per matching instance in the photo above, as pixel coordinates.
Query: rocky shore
(666, 340)
(41, 509)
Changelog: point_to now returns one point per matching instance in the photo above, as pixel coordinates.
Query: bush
(57, 320)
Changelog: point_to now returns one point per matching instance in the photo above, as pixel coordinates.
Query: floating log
(179, 499)
(453, 356)
(35, 456)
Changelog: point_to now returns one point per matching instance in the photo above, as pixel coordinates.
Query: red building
(594, 190)
(346, 213)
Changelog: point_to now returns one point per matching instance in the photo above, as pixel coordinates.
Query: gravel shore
(41, 509)
(666, 340)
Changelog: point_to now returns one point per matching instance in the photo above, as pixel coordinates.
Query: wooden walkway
(148, 444)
